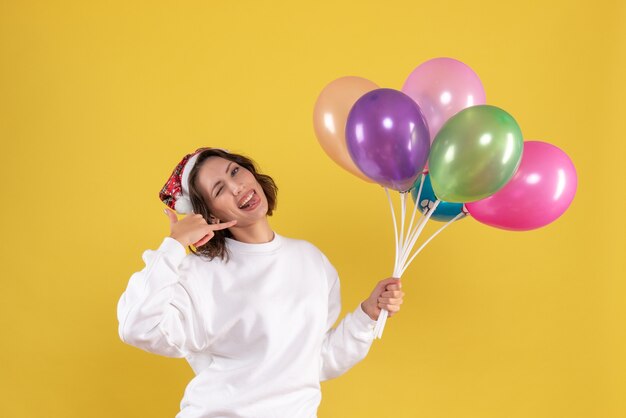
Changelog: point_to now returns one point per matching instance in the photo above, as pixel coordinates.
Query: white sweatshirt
(256, 329)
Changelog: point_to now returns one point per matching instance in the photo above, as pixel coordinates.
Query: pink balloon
(442, 87)
(540, 191)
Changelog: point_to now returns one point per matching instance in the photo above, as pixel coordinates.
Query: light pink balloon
(442, 87)
(540, 191)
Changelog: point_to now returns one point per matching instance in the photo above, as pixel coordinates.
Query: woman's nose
(237, 188)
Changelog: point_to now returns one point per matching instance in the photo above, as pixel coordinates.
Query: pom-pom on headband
(175, 192)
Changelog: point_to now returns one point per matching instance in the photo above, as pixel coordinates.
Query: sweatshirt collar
(245, 247)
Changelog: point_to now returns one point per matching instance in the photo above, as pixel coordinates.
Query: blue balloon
(445, 211)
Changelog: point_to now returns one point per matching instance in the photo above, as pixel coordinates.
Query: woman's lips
(252, 203)
(245, 198)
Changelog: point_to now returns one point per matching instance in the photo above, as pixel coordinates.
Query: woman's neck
(257, 233)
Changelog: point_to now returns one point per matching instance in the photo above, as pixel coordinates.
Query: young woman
(251, 310)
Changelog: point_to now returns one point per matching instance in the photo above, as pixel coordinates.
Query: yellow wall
(99, 101)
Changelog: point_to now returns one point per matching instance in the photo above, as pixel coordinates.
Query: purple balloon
(540, 191)
(387, 138)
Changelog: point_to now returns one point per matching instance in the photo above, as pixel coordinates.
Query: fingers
(391, 304)
(214, 227)
(396, 284)
(224, 225)
(391, 301)
(171, 215)
(390, 313)
(392, 294)
(193, 229)
(390, 297)
(383, 284)
(389, 307)
(204, 240)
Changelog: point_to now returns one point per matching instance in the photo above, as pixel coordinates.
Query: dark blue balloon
(445, 211)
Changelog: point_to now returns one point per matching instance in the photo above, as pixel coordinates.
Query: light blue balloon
(445, 211)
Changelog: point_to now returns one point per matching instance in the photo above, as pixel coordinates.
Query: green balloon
(475, 154)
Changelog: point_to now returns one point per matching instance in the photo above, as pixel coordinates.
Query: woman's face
(231, 191)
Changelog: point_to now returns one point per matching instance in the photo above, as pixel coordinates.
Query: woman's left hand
(386, 295)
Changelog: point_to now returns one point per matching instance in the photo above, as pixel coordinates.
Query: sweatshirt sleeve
(158, 312)
(348, 343)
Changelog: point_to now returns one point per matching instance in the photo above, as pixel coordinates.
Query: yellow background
(100, 100)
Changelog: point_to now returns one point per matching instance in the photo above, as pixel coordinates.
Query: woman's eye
(232, 173)
(218, 192)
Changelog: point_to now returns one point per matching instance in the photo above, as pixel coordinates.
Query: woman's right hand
(193, 228)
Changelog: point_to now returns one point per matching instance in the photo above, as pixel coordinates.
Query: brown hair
(216, 246)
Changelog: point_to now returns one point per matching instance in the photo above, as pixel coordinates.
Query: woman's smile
(250, 201)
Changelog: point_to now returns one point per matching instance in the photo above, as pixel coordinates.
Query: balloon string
(400, 266)
(414, 235)
(395, 226)
(419, 193)
(417, 233)
(400, 247)
(382, 317)
(414, 238)
(403, 211)
(460, 215)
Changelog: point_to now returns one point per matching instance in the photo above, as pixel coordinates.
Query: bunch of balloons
(438, 140)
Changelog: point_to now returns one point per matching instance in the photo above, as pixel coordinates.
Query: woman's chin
(251, 218)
